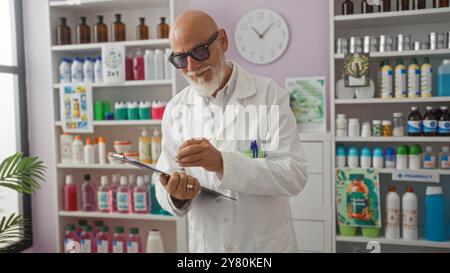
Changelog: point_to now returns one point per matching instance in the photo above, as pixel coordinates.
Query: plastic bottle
(134, 241)
(149, 65)
(77, 151)
(103, 195)
(402, 158)
(129, 75)
(167, 65)
(392, 229)
(401, 88)
(444, 79)
(444, 122)
(444, 155)
(103, 241)
(387, 128)
(89, 154)
(378, 158)
(429, 158)
(88, 194)
(414, 122)
(119, 241)
(140, 197)
(430, 124)
(96, 159)
(409, 214)
(366, 130)
(398, 129)
(387, 81)
(88, 70)
(70, 195)
(88, 243)
(77, 70)
(341, 125)
(377, 129)
(133, 110)
(353, 127)
(154, 242)
(144, 110)
(340, 157)
(413, 79)
(390, 158)
(123, 196)
(101, 150)
(115, 183)
(415, 157)
(159, 64)
(65, 75)
(138, 66)
(98, 70)
(352, 158)
(65, 148)
(79, 228)
(366, 158)
(435, 215)
(156, 145)
(70, 236)
(426, 79)
(97, 225)
(145, 147)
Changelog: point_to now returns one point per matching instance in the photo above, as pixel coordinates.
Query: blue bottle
(390, 158)
(444, 79)
(435, 215)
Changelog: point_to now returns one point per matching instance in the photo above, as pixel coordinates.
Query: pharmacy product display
(78, 70)
(131, 110)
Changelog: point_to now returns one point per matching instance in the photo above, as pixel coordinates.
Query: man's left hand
(200, 153)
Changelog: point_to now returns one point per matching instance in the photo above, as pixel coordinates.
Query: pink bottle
(113, 192)
(88, 194)
(70, 236)
(138, 66)
(70, 195)
(88, 243)
(119, 241)
(124, 196)
(80, 227)
(129, 67)
(140, 197)
(134, 241)
(103, 241)
(104, 205)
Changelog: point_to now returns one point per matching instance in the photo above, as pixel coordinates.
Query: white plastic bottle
(387, 81)
(401, 87)
(159, 64)
(354, 128)
(413, 79)
(64, 71)
(167, 65)
(88, 71)
(426, 79)
(392, 229)
(341, 126)
(444, 162)
(429, 158)
(101, 150)
(98, 70)
(77, 70)
(156, 145)
(65, 148)
(154, 242)
(95, 149)
(77, 151)
(409, 214)
(89, 154)
(149, 65)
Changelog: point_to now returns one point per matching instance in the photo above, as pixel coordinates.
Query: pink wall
(308, 51)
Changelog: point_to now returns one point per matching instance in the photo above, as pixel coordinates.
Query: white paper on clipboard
(145, 166)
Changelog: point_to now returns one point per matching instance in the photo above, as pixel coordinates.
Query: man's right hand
(181, 187)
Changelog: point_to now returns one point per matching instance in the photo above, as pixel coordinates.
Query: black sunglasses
(199, 53)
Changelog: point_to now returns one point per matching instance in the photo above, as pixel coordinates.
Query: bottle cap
(70, 227)
(415, 150)
(69, 179)
(353, 151)
(87, 228)
(134, 230)
(140, 181)
(98, 223)
(409, 189)
(87, 177)
(402, 150)
(118, 230)
(390, 151)
(104, 229)
(445, 149)
(446, 61)
(123, 181)
(386, 123)
(397, 115)
(101, 139)
(392, 189)
(77, 137)
(88, 141)
(104, 180)
(434, 190)
(378, 152)
(443, 108)
(376, 122)
(340, 151)
(429, 149)
(414, 108)
(366, 152)
(82, 222)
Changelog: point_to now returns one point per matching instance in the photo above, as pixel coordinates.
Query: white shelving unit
(173, 229)
(417, 23)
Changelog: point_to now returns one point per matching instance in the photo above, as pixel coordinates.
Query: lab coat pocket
(196, 241)
(278, 240)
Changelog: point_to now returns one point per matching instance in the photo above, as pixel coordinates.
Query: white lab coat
(260, 220)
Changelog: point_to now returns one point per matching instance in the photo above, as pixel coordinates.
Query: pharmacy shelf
(101, 166)
(126, 84)
(151, 122)
(393, 139)
(398, 54)
(96, 6)
(130, 216)
(389, 19)
(420, 171)
(381, 240)
(393, 100)
(96, 47)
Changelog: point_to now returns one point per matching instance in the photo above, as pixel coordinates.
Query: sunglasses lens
(200, 53)
(180, 61)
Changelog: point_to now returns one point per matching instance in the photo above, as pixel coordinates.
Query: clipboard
(148, 167)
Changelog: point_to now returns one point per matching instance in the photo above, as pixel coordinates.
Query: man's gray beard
(208, 89)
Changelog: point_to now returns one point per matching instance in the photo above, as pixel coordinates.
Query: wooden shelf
(151, 122)
(393, 100)
(381, 240)
(96, 47)
(409, 53)
(387, 19)
(393, 139)
(127, 84)
(127, 216)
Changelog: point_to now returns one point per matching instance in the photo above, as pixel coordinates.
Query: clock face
(261, 36)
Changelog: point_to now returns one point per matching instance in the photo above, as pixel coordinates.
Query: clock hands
(267, 29)
(257, 33)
